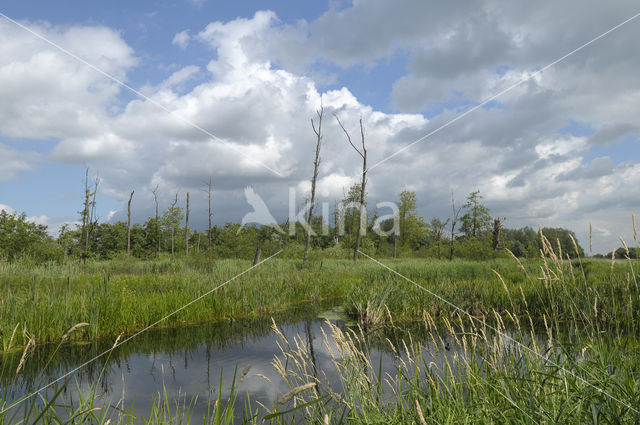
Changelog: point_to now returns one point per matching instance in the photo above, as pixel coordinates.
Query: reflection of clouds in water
(195, 371)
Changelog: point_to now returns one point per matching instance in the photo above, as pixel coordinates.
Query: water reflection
(187, 363)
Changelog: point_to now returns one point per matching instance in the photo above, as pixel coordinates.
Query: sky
(168, 94)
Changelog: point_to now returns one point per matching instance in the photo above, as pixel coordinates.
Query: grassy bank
(122, 296)
(593, 295)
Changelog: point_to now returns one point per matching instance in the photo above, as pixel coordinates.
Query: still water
(187, 363)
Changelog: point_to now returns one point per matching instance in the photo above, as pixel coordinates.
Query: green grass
(123, 296)
(576, 323)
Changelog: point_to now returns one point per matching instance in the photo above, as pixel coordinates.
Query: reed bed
(547, 341)
(126, 295)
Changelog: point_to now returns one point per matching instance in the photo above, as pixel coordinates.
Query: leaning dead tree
(316, 165)
(186, 229)
(363, 154)
(129, 224)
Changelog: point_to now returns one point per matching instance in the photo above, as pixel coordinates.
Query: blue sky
(559, 150)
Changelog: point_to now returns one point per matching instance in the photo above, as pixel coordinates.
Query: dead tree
(497, 230)
(173, 226)
(210, 214)
(363, 154)
(85, 212)
(395, 246)
(316, 165)
(129, 224)
(261, 236)
(256, 257)
(89, 215)
(157, 224)
(454, 221)
(336, 216)
(186, 229)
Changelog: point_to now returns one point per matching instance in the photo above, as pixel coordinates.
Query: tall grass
(126, 295)
(482, 377)
(549, 342)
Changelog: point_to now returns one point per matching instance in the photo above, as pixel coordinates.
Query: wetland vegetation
(436, 331)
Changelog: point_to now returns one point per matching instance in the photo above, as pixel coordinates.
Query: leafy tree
(413, 229)
(562, 239)
(476, 223)
(523, 242)
(351, 215)
(20, 237)
(110, 239)
(436, 227)
(171, 219)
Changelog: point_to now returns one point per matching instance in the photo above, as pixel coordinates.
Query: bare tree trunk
(454, 221)
(173, 226)
(363, 154)
(92, 218)
(210, 215)
(157, 224)
(316, 164)
(129, 224)
(336, 214)
(85, 212)
(395, 246)
(186, 229)
(256, 258)
(497, 229)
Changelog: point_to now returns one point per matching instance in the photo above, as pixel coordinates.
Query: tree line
(471, 233)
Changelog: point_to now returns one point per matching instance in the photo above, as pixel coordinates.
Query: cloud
(46, 93)
(14, 161)
(256, 95)
(197, 3)
(181, 39)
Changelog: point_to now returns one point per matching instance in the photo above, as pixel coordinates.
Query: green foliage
(562, 241)
(22, 238)
(476, 222)
(413, 229)
(624, 252)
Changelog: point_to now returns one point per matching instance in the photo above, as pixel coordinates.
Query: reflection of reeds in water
(462, 372)
(475, 374)
(556, 367)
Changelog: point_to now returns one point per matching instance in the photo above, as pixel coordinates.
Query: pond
(187, 363)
